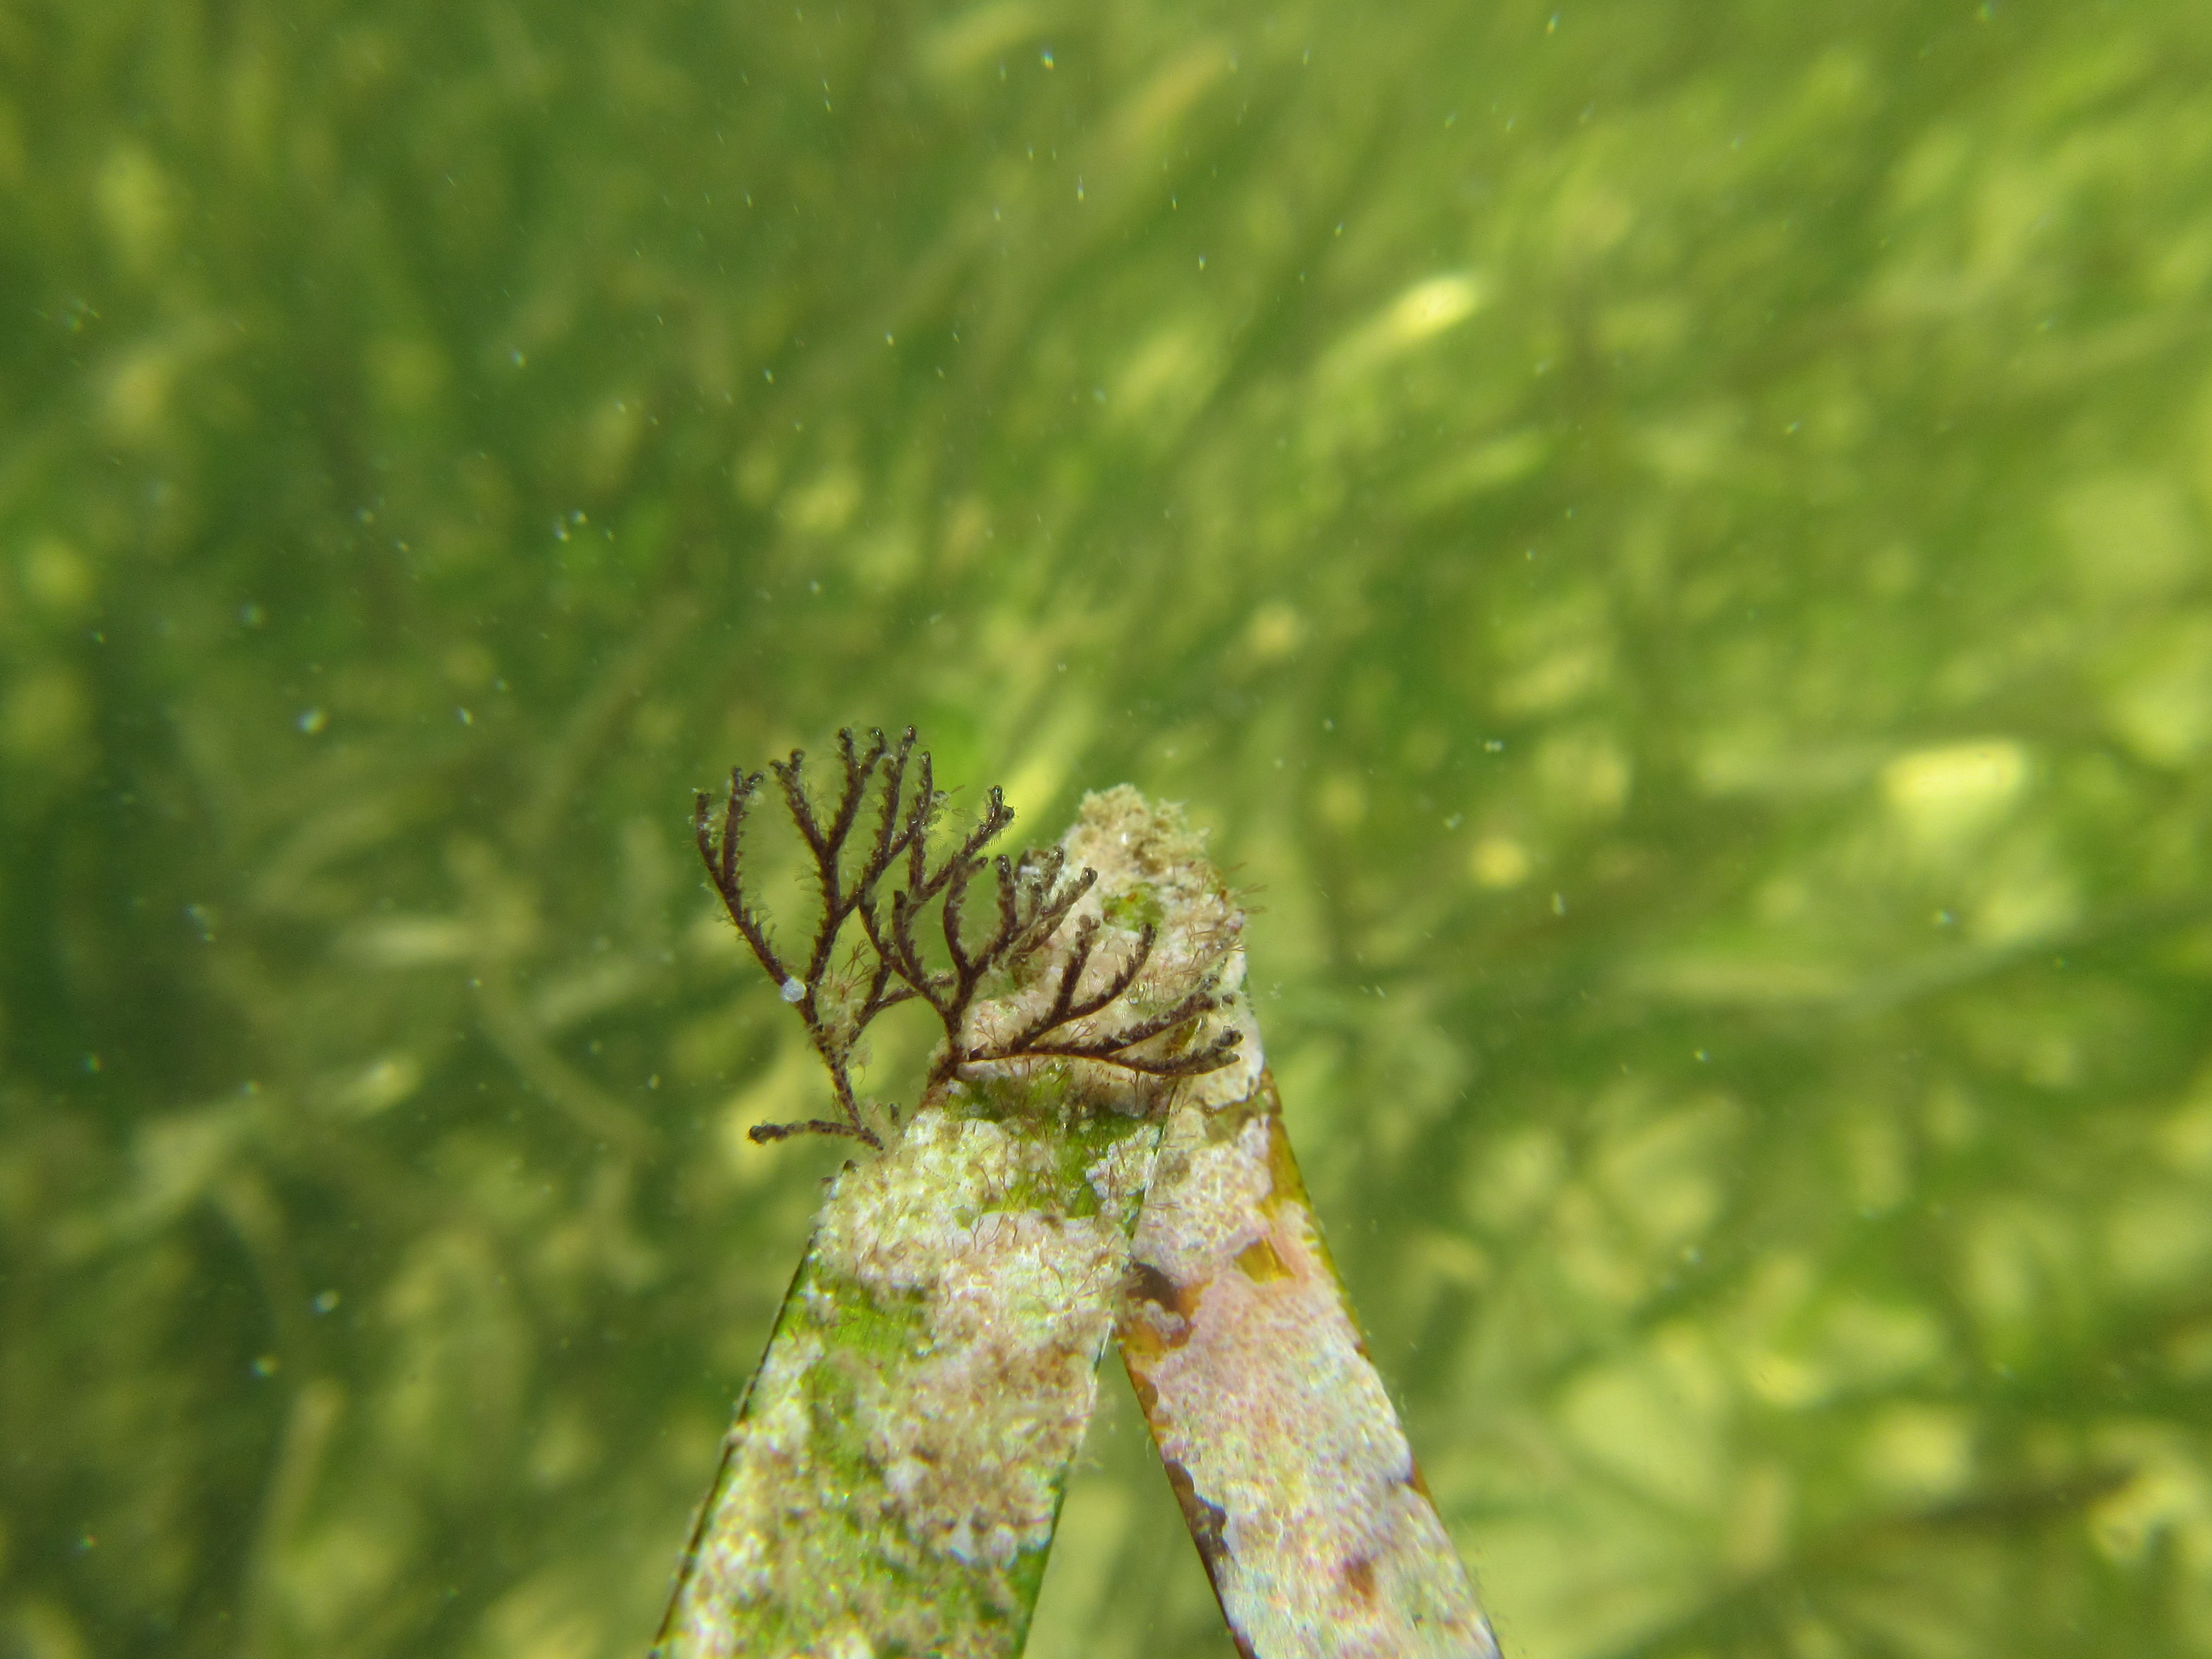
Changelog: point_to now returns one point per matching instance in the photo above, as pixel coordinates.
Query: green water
(1670, 540)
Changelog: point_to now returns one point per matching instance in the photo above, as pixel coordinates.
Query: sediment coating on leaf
(1320, 1538)
(895, 1475)
(1017, 1304)
(898, 1469)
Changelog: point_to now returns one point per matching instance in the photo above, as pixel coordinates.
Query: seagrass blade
(1292, 1469)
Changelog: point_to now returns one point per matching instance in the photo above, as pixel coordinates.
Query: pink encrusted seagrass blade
(1293, 1471)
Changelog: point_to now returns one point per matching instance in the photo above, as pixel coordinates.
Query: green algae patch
(1140, 907)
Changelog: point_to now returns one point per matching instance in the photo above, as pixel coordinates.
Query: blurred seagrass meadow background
(1674, 541)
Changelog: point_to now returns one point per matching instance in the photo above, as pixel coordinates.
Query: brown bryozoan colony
(889, 964)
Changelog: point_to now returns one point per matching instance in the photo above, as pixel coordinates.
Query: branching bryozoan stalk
(888, 965)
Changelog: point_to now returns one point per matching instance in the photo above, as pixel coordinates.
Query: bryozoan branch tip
(887, 793)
